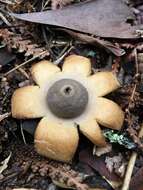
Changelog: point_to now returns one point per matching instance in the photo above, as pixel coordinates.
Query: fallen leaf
(98, 164)
(101, 17)
(116, 163)
(113, 162)
(108, 46)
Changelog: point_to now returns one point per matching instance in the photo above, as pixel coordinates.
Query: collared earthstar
(68, 99)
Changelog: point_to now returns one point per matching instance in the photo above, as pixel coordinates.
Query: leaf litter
(23, 43)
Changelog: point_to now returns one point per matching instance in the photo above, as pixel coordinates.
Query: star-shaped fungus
(68, 99)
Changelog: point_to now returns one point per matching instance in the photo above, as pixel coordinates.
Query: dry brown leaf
(117, 164)
(101, 17)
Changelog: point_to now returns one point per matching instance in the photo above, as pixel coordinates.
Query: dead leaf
(108, 46)
(4, 164)
(113, 162)
(98, 164)
(117, 164)
(101, 17)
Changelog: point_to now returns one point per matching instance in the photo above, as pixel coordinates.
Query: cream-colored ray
(92, 131)
(27, 102)
(43, 71)
(77, 64)
(103, 83)
(108, 113)
(55, 140)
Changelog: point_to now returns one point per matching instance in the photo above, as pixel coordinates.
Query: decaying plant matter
(118, 164)
(66, 100)
(21, 44)
(60, 173)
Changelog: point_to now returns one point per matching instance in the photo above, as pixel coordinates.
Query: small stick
(136, 61)
(7, 2)
(23, 72)
(4, 19)
(130, 166)
(22, 133)
(23, 189)
(56, 62)
(28, 61)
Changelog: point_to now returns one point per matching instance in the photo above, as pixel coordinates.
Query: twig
(4, 116)
(135, 86)
(44, 4)
(28, 61)
(129, 171)
(131, 100)
(23, 189)
(132, 95)
(63, 56)
(136, 61)
(130, 166)
(22, 133)
(11, 26)
(4, 19)
(46, 40)
(7, 2)
(65, 49)
(23, 72)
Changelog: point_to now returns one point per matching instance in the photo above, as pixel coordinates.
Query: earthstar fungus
(66, 100)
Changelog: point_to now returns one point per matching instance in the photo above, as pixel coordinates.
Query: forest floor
(117, 167)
